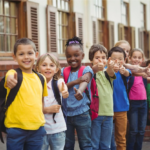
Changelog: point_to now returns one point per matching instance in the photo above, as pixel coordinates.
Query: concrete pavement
(146, 146)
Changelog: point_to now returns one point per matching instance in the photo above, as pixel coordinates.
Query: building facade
(49, 23)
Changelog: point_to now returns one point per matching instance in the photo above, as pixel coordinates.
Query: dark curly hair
(74, 41)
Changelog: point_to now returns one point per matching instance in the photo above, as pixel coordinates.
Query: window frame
(6, 53)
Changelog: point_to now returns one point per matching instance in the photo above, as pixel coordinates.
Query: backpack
(66, 73)
(95, 97)
(13, 92)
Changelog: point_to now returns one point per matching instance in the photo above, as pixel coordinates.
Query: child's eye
(21, 54)
(43, 65)
(76, 55)
(52, 65)
(30, 53)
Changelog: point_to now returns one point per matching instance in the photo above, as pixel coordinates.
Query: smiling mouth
(26, 62)
(73, 63)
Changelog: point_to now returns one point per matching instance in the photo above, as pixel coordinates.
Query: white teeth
(73, 62)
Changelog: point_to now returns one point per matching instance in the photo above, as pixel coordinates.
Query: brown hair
(24, 41)
(94, 48)
(139, 50)
(53, 59)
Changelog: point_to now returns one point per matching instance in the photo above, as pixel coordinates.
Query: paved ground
(146, 146)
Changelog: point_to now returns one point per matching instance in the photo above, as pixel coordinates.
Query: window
(125, 14)
(99, 9)
(143, 15)
(101, 32)
(62, 23)
(8, 25)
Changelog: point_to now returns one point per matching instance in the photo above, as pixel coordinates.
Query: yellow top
(25, 112)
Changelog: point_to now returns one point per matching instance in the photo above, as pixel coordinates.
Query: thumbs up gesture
(147, 71)
(64, 91)
(110, 63)
(78, 95)
(11, 81)
(116, 66)
(122, 68)
(98, 67)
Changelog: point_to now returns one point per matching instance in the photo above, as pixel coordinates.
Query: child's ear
(57, 70)
(14, 57)
(82, 55)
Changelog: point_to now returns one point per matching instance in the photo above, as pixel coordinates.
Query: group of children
(94, 101)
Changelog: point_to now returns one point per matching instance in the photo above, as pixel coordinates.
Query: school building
(49, 23)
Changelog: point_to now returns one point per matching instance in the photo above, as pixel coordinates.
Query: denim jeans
(113, 142)
(19, 139)
(137, 123)
(82, 124)
(55, 141)
(102, 132)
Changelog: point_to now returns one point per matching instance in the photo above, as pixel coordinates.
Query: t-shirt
(120, 97)
(50, 126)
(25, 112)
(74, 106)
(138, 91)
(105, 92)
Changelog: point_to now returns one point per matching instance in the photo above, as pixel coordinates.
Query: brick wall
(4, 67)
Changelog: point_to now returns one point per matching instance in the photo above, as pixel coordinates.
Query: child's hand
(83, 79)
(78, 94)
(110, 63)
(54, 109)
(11, 81)
(64, 91)
(144, 75)
(98, 67)
(147, 71)
(116, 66)
(122, 70)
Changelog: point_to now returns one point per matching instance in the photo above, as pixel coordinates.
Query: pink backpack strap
(80, 72)
(66, 73)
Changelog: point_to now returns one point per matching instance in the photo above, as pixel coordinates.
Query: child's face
(126, 48)
(137, 58)
(119, 57)
(25, 56)
(74, 57)
(99, 57)
(47, 68)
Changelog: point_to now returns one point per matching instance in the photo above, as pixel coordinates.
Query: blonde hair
(120, 42)
(53, 59)
(135, 50)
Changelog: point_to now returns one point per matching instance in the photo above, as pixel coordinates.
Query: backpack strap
(10, 99)
(41, 77)
(145, 82)
(66, 73)
(107, 77)
(14, 91)
(130, 84)
(56, 94)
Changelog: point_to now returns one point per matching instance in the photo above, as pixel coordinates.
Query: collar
(49, 84)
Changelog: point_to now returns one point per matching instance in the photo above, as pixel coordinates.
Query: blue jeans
(102, 132)
(55, 141)
(137, 124)
(19, 139)
(82, 124)
(113, 142)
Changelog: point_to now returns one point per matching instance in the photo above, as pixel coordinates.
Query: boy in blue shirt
(120, 97)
